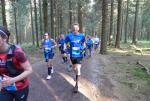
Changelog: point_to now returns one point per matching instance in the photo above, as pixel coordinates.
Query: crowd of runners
(15, 67)
(73, 47)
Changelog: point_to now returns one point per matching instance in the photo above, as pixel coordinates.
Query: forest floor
(111, 77)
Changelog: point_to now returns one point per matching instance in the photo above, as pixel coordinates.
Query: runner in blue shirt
(48, 44)
(89, 45)
(77, 44)
(61, 48)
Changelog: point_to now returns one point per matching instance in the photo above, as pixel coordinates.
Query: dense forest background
(114, 21)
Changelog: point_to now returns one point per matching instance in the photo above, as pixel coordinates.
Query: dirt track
(93, 86)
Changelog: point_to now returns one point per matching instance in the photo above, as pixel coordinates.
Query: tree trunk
(45, 15)
(36, 24)
(52, 18)
(17, 37)
(103, 48)
(111, 23)
(122, 22)
(3, 13)
(70, 14)
(80, 16)
(117, 43)
(32, 26)
(19, 27)
(57, 15)
(61, 21)
(15, 18)
(135, 24)
(58, 21)
(147, 38)
(40, 18)
(126, 23)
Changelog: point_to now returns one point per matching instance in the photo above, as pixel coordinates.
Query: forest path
(94, 84)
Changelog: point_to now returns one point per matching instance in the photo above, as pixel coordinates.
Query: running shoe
(75, 89)
(48, 77)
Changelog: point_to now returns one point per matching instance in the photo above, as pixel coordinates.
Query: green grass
(29, 48)
(144, 44)
(127, 47)
(138, 72)
(140, 44)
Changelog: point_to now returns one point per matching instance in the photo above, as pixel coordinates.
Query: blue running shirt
(47, 43)
(89, 42)
(76, 44)
(62, 42)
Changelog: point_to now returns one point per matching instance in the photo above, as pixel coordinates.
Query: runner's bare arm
(54, 43)
(84, 44)
(65, 46)
(41, 45)
(27, 71)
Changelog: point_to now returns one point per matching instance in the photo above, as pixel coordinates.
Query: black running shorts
(76, 60)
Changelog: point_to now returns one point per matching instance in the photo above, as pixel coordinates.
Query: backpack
(12, 70)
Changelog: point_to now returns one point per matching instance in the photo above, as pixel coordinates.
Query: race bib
(76, 51)
(47, 48)
(75, 48)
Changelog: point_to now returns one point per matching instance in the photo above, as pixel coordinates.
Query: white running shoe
(48, 77)
(52, 71)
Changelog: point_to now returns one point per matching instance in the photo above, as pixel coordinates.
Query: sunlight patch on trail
(87, 89)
